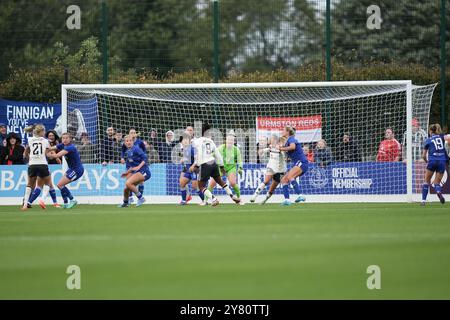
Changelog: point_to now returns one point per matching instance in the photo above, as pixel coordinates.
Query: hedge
(44, 84)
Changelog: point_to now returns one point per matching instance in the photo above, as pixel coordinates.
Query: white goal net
(363, 139)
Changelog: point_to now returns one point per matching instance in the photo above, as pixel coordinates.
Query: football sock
(27, 195)
(237, 191)
(260, 188)
(201, 195)
(208, 194)
(286, 191)
(424, 191)
(438, 188)
(34, 195)
(227, 190)
(296, 187)
(45, 192)
(183, 193)
(53, 195)
(63, 194)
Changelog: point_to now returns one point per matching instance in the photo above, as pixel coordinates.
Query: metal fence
(225, 37)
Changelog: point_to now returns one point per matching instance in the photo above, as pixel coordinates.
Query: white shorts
(272, 172)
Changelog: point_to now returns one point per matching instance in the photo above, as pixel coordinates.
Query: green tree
(30, 28)
(409, 32)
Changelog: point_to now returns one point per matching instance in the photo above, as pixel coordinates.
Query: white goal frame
(408, 197)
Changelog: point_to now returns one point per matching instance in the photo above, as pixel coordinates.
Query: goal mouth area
(253, 112)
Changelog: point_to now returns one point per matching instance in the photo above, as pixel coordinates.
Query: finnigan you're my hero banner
(17, 115)
(307, 129)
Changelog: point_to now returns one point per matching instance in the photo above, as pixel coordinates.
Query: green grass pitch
(307, 251)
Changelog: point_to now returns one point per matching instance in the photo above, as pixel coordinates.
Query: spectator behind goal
(165, 148)
(348, 150)
(107, 147)
(389, 149)
(419, 136)
(153, 156)
(86, 149)
(322, 154)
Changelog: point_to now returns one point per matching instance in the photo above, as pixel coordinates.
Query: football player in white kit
(276, 167)
(37, 152)
(207, 162)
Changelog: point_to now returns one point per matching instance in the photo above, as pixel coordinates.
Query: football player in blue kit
(295, 153)
(68, 150)
(435, 155)
(137, 142)
(137, 171)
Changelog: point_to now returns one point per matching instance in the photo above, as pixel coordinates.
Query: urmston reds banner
(307, 129)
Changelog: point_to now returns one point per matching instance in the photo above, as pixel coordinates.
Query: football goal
(363, 138)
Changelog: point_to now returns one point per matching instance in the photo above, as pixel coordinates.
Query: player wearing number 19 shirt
(437, 158)
(207, 162)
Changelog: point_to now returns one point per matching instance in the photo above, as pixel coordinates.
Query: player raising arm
(207, 161)
(137, 171)
(75, 171)
(434, 147)
(276, 167)
(295, 153)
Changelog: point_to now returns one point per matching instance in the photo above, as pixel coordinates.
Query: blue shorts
(190, 175)
(437, 165)
(145, 172)
(74, 174)
(302, 165)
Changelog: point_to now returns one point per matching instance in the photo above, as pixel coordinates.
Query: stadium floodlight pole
(409, 157)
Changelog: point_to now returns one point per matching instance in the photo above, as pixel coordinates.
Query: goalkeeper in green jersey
(232, 160)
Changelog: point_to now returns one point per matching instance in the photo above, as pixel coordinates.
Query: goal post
(349, 117)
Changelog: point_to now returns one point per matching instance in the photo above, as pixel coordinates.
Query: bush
(44, 84)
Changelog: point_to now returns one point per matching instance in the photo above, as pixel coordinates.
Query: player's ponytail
(436, 128)
(29, 129)
(290, 130)
(37, 129)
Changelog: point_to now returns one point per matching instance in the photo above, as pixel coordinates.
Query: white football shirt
(277, 160)
(206, 151)
(38, 147)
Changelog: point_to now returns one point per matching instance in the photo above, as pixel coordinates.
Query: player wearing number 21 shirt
(37, 152)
